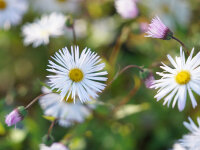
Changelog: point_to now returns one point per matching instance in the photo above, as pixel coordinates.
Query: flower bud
(147, 77)
(48, 140)
(69, 21)
(16, 116)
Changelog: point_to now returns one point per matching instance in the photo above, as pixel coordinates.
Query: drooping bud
(148, 78)
(157, 29)
(16, 116)
(69, 21)
(48, 140)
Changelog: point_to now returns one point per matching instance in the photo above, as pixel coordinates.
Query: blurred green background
(142, 123)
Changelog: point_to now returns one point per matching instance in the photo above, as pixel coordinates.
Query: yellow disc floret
(76, 75)
(2, 4)
(183, 77)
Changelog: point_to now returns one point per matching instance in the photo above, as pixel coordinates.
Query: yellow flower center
(2, 4)
(61, 1)
(76, 75)
(183, 77)
(69, 100)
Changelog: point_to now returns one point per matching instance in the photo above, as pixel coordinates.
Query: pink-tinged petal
(157, 29)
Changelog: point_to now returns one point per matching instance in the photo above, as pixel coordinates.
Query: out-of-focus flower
(177, 146)
(65, 111)
(41, 30)
(77, 74)
(11, 12)
(191, 141)
(126, 8)
(54, 146)
(157, 29)
(177, 81)
(15, 116)
(65, 6)
(172, 11)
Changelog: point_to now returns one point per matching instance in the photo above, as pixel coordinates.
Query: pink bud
(149, 81)
(13, 118)
(157, 29)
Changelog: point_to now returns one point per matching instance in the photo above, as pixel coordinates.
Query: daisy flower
(157, 29)
(65, 6)
(77, 75)
(176, 82)
(126, 8)
(41, 30)
(191, 141)
(54, 146)
(11, 12)
(66, 111)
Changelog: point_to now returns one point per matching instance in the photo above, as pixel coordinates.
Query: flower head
(157, 29)
(126, 8)
(177, 146)
(148, 78)
(16, 116)
(191, 141)
(176, 82)
(41, 30)
(11, 12)
(54, 146)
(77, 76)
(66, 112)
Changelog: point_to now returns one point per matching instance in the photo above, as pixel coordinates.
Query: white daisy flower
(11, 12)
(66, 111)
(41, 30)
(54, 146)
(65, 6)
(176, 82)
(191, 141)
(77, 75)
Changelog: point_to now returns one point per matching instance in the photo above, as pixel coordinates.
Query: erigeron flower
(191, 141)
(39, 32)
(126, 8)
(177, 81)
(65, 6)
(16, 116)
(65, 111)
(157, 29)
(77, 75)
(11, 12)
(54, 146)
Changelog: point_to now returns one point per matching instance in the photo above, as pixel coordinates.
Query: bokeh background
(141, 123)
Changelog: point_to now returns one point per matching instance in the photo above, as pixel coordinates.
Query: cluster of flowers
(77, 76)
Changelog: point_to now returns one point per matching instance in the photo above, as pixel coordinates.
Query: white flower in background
(191, 141)
(176, 82)
(11, 12)
(54, 146)
(39, 32)
(127, 8)
(101, 30)
(172, 12)
(65, 6)
(177, 146)
(78, 75)
(66, 111)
